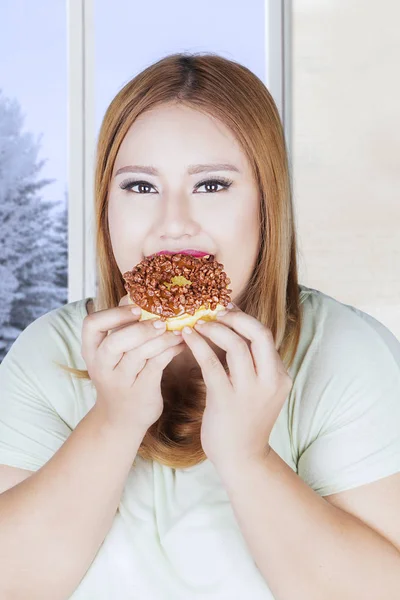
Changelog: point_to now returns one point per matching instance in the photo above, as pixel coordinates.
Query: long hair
(233, 94)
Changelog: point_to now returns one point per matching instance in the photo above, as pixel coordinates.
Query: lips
(190, 251)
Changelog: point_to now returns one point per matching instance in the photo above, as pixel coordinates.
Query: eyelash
(226, 183)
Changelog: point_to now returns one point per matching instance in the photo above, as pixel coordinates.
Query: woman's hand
(125, 359)
(242, 406)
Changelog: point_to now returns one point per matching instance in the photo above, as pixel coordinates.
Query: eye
(128, 184)
(224, 183)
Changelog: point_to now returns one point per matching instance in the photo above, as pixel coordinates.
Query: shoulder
(31, 373)
(333, 329)
(345, 357)
(54, 335)
(40, 401)
(65, 319)
(344, 408)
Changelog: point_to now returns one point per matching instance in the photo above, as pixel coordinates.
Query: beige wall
(346, 151)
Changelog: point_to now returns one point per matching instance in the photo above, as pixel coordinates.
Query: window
(33, 164)
(65, 62)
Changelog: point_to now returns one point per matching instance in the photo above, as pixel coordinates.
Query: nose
(176, 219)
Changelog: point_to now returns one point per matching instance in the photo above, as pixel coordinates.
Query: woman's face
(180, 204)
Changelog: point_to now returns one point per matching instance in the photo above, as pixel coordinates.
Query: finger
(113, 347)
(97, 325)
(238, 354)
(265, 355)
(212, 370)
(124, 301)
(154, 367)
(133, 361)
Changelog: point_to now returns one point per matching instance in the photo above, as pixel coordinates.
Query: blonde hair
(237, 97)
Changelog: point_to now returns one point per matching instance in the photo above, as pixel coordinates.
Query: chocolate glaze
(149, 284)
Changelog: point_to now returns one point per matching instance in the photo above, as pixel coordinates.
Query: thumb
(125, 301)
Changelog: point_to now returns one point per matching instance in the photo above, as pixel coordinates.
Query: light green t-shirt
(175, 536)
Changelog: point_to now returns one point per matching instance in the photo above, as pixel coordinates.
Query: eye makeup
(225, 183)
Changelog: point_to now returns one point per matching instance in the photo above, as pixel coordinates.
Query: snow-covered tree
(32, 234)
(56, 250)
(8, 287)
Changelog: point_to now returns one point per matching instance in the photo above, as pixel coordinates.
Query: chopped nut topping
(172, 285)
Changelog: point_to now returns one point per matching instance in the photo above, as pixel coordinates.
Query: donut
(178, 288)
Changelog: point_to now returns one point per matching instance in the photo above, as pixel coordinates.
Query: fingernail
(158, 324)
(136, 310)
(177, 332)
(221, 313)
(187, 329)
(230, 305)
(200, 322)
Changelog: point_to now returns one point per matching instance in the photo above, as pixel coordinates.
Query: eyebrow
(192, 169)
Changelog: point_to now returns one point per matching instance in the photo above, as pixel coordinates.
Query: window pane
(33, 163)
(129, 36)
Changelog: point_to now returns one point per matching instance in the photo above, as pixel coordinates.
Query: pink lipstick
(196, 253)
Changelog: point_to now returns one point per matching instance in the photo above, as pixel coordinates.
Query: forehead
(176, 133)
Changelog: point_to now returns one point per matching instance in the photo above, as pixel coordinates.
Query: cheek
(239, 244)
(127, 235)
(119, 227)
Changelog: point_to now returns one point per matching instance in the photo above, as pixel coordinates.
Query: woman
(228, 461)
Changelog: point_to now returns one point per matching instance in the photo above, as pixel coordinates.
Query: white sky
(135, 35)
(33, 70)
